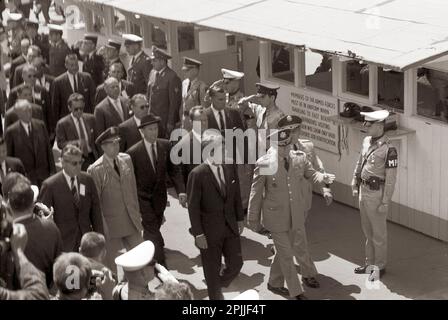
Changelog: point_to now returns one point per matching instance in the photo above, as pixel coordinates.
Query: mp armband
(392, 158)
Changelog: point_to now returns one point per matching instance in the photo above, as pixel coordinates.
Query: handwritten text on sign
(314, 109)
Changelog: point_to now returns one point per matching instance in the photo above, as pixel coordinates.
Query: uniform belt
(367, 182)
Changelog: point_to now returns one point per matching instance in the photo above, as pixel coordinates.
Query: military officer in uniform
(193, 90)
(93, 61)
(164, 92)
(58, 50)
(16, 34)
(374, 182)
(293, 122)
(113, 56)
(278, 197)
(140, 65)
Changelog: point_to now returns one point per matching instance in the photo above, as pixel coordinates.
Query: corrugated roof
(396, 33)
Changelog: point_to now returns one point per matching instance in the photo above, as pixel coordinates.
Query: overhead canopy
(395, 33)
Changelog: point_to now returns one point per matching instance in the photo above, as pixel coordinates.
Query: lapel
(212, 120)
(34, 136)
(25, 137)
(160, 156)
(114, 111)
(68, 84)
(111, 169)
(146, 157)
(228, 124)
(72, 125)
(214, 181)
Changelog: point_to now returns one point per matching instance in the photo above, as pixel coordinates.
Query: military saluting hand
(328, 178)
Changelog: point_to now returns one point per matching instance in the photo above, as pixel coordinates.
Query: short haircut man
(93, 244)
(75, 97)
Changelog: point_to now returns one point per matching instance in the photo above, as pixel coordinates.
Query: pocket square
(233, 181)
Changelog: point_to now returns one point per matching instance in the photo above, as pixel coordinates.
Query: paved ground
(418, 265)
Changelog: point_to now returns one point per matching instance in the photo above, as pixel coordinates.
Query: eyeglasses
(74, 163)
(145, 106)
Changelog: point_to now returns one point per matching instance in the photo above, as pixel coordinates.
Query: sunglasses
(74, 163)
(145, 106)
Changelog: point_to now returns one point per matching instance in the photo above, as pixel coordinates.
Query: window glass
(119, 24)
(99, 24)
(318, 71)
(391, 88)
(135, 28)
(432, 93)
(357, 78)
(282, 62)
(185, 38)
(159, 37)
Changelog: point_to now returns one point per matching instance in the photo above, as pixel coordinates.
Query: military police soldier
(278, 197)
(164, 92)
(15, 25)
(93, 62)
(58, 50)
(374, 182)
(140, 65)
(193, 90)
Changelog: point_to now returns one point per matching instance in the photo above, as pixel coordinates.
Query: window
(119, 23)
(159, 37)
(282, 62)
(185, 38)
(391, 88)
(356, 78)
(432, 93)
(99, 24)
(135, 28)
(318, 71)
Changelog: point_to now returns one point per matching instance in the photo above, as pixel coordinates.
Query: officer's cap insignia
(289, 118)
(283, 135)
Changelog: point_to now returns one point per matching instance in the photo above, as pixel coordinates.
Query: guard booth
(324, 54)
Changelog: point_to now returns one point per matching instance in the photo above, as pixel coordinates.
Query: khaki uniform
(378, 160)
(280, 200)
(194, 96)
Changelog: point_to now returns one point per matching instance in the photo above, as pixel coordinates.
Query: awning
(395, 33)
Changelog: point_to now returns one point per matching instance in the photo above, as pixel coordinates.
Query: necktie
(157, 77)
(83, 138)
(222, 184)
(132, 61)
(221, 120)
(116, 166)
(74, 190)
(154, 156)
(286, 164)
(189, 86)
(117, 106)
(75, 83)
(29, 129)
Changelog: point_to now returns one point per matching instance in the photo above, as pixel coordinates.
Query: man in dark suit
(67, 83)
(113, 48)
(189, 146)
(25, 93)
(78, 126)
(216, 216)
(32, 54)
(24, 45)
(129, 132)
(28, 140)
(127, 89)
(140, 65)
(40, 40)
(152, 163)
(113, 110)
(93, 62)
(73, 195)
(58, 50)
(8, 164)
(164, 92)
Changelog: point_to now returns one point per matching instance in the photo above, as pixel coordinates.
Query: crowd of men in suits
(114, 128)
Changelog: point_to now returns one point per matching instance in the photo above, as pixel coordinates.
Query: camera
(96, 275)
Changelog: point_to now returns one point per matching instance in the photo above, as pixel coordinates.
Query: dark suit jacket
(110, 63)
(11, 115)
(106, 115)
(209, 210)
(73, 220)
(151, 186)
(62, 90)
(13, 165)
(66, 131)
(127, 86)
(14, 64)
(165, 96)
(129, 134)
(190, 152)
(57, 54)
(94, 65)
(138, 73)
(34, 151)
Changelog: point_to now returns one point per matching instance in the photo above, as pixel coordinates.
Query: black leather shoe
(311, 282)
(360, 270)
(278, 290)
(301, 297)
(374, 275)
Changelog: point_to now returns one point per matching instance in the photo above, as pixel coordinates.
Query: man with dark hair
(152, 165)
(126, 88)
(24, 93)
(58, 50)
(118, 195)
(140, 64)
(113, 48)
(78, 126)
(33, 53)
(93, 62)
(24, 45)
(67, 83)
(113, 110)
(40, 40)
(216, 216)
(28, 140)
(44, 239)
(73, 195)
(8, 164)
(129, 132)
(164, 92)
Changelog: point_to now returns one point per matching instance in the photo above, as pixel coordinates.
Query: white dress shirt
(148, 147)
(214, 169)
(71, 79)
(117, 106)
(216, 114)
(26, 127)
(69, 180)
(83, 128)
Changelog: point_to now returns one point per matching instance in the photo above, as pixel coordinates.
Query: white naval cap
(250, 294)
(136, 258)
(379, 115)
(15, 16)
(130, 38)
(231, 74)
(55, 27)
(35, 192)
